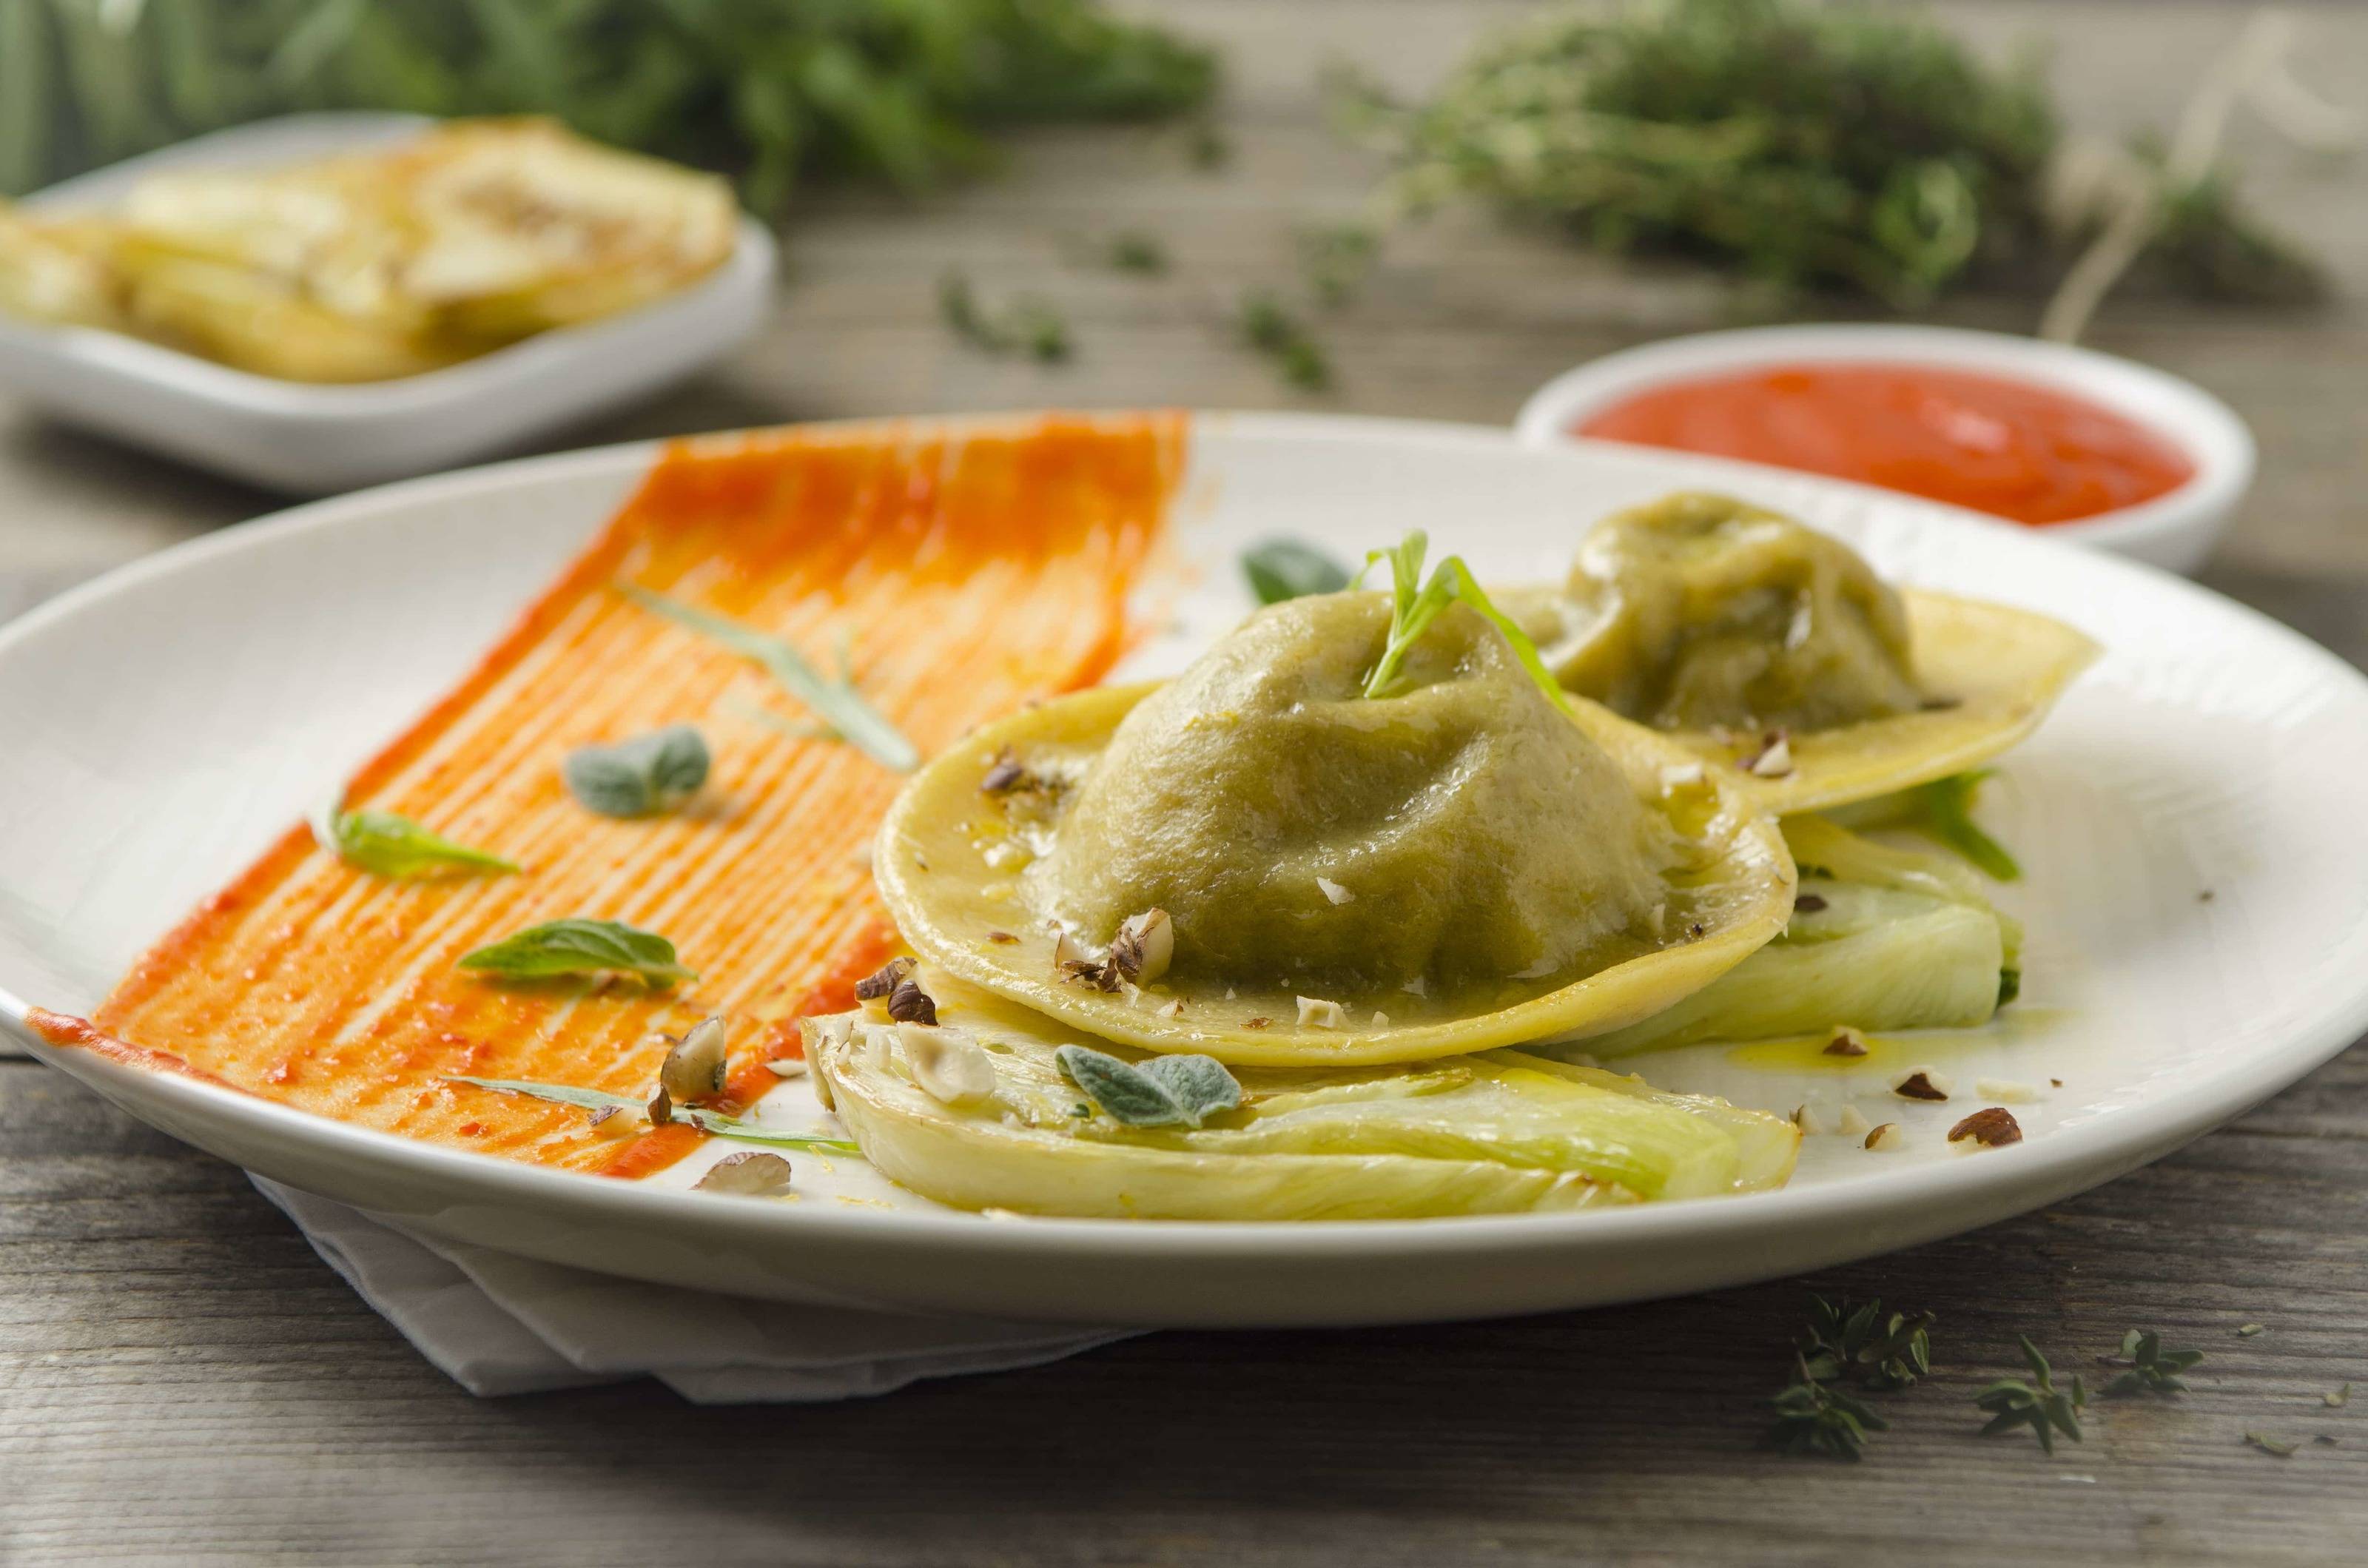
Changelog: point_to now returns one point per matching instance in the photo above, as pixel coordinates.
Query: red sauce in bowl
(2011, 449)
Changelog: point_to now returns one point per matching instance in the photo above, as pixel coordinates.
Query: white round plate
(165, 723)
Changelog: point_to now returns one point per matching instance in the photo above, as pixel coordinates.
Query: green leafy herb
(1813, 1419)
(577, 946)
(1206, 148)
(834, 700)
(2152, 1370)
(1135, 251)
(1166, 1091)
(1795, 143)
(774, 92)
(1864, 1344)
(1270, 328)
(713, 1122)
(641, 777)
(1414, 608)
(1025, 325)
(2038, 1405)
(1286, 569)
(2269, 1445)
(389, 845)
(1336, 258)
(2336, 1399)
(2248, 1330)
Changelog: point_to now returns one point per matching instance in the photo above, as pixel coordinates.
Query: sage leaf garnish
(576, 946)
(387, 844)
(637, 777)
(1413, 608)
(1166, 1091)
(711, 1121)
(2038, 1405)
(1286, 569)
(833, 699)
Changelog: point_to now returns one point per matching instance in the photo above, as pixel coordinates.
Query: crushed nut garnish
(1681, 776)
(949, 1066)
(661, 1110)
(1101, 976)
(1172, 1009)
(1992, 1127)
(1003, 774)
(1773, 759)
(1695, 930)
(1416, 986)
(1807, 1121)
(747, 1173)
(1314, 1012)
(1381, 1020)
(908, 1004)
(2006, 1090)
(1807, 903)
(1921, 1083)
(1255, 1023)
(694, 1068)
(610, 1121)
(1001, 939)
(786, 1066)
(1333, 892)
(876, 985)
(2056, 1083)
(1144, 948)
(1845, 1042)
(1885, 1139)
(1854, 1123)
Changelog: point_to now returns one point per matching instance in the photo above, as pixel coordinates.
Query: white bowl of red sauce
(2078, 445)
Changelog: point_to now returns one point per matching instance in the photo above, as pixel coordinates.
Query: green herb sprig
(1813, 1418)
(835, 702)
(1027, 324)
(641, 777)
(577, 946)
(1165, 1091)
(1283, 569)
(2151, 1368)
(711, 1122)
(1270, 327)
(1874, 1349)
(2038, 1405)
(387, 844)
(774, 93)
(1413, 608)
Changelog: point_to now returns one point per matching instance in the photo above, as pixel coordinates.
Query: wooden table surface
(181, 1380)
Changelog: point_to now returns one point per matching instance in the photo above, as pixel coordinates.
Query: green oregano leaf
(577, 946)
(641, 777)
(1286, 569)
(389, 845)
(1415, 604)
(833, 699)
(1166, 1091)
(711, 1121)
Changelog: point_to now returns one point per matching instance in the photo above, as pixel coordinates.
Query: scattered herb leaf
(1273, 331)
(2250, 1329)
(850, 717)
(1412, 609)
(577, 946)
(2337, 1399)
(2038, 1405)
(1813, 1419)
(388, 845)
(1023, 325)
(2269, 1445)
(2152, 1370)
(641, 777)
(1206, 148)
(1165, 1091)
(1336, 258)
(1286, 569)
(1876, 1349)
(1134, 251)
(711, 1122)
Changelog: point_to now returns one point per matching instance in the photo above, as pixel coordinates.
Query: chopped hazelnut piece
(1681, 776)
(1807, 902)
(882, 981)
(1314, 1012)
(1991, 1127)
(661, 1109)
(1854, 1122)
(694, 1068)
(950, 1066)
(1808, 1120)
(1255, 1023)
(1333, 892)
(786, 1066)
(1145, 947)
(1773, 759)
(908, 1004)
(1001, 939)
(1846, 1041)
(1921, 1083)
(612, 1121)
(747, 1175)
(1172, 1009)
(1886, 1139)
(2005, 1090)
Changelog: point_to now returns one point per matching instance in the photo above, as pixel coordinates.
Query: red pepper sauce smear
(2011, 449)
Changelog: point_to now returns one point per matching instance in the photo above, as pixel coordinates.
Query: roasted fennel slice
(1880, 938)
(977, 1112)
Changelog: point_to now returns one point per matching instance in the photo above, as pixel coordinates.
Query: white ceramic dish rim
(1995, 1181)
(750, 265)
(2206, 429)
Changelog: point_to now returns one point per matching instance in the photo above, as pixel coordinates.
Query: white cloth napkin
(499, 1325)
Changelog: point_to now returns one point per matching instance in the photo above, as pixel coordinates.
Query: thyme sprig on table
(1815, 1418)
(2150, 1368)
(2038, 1403)
(1875, 1349)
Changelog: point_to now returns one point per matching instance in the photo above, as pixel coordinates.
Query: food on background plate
(1774, 653)
(371, 265)
(999, 1106)
(2013, 449)
(1355, 829)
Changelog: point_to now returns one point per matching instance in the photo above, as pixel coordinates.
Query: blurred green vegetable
(770, 90)
(1801, 143)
